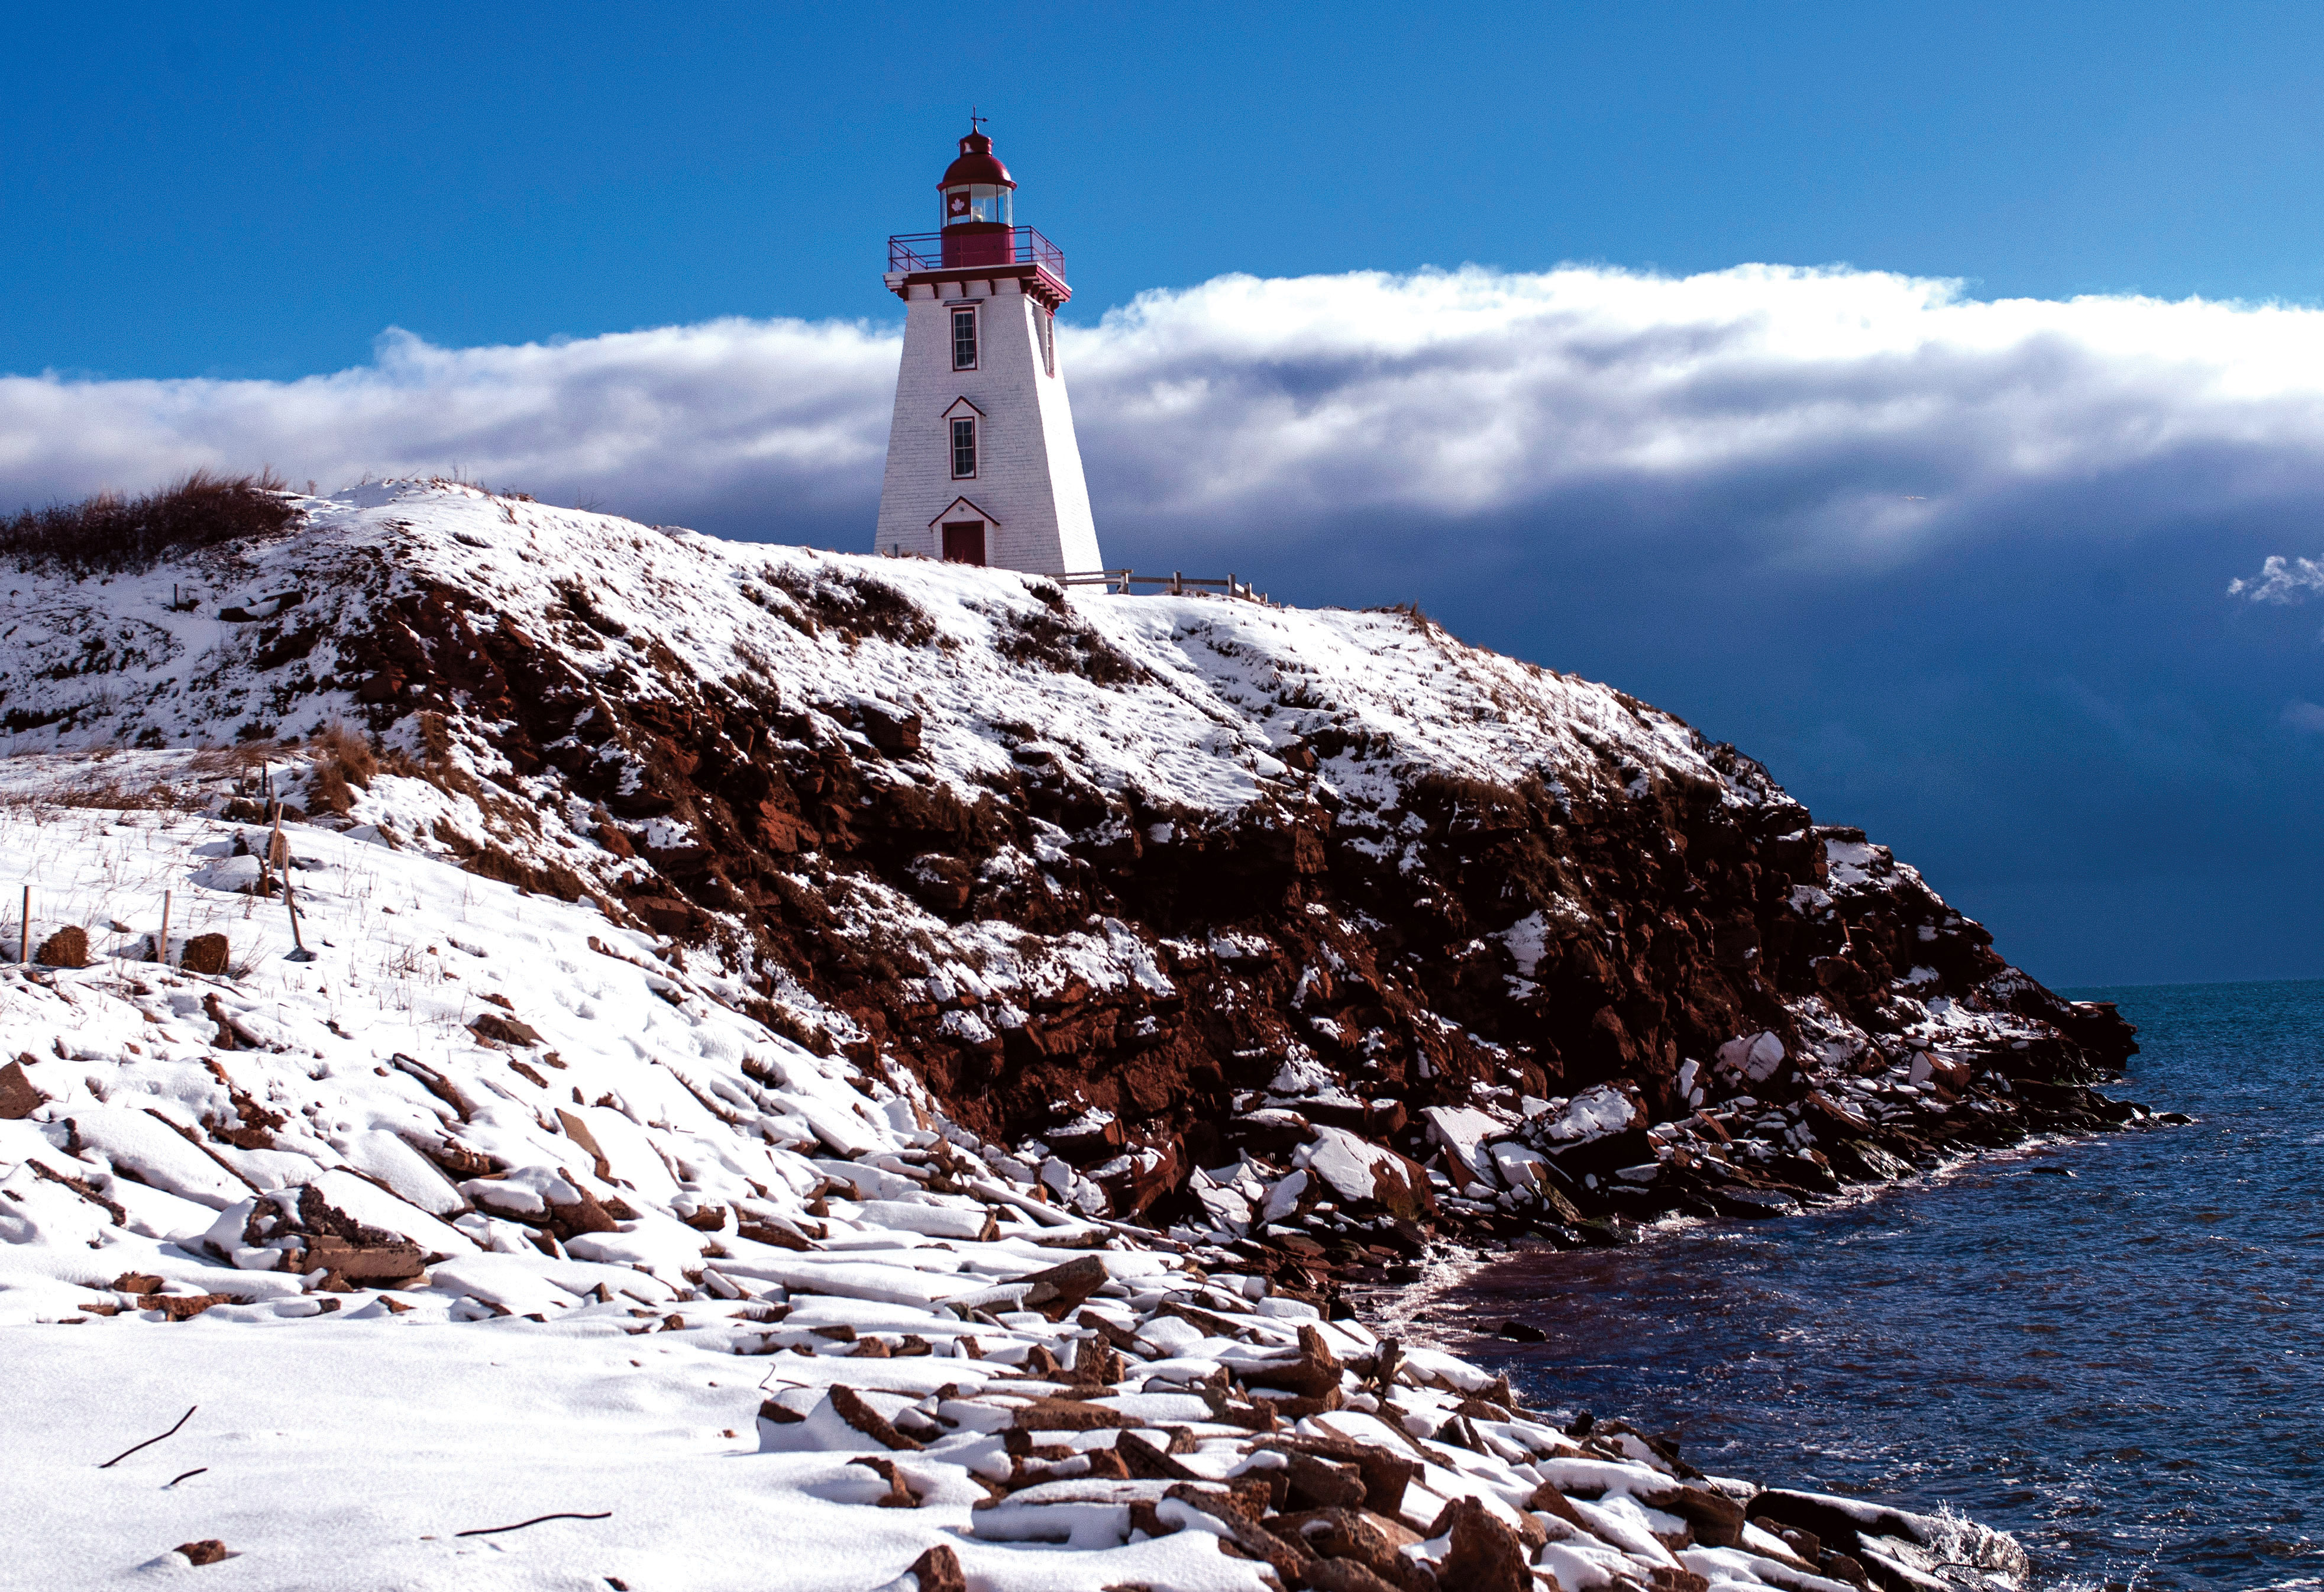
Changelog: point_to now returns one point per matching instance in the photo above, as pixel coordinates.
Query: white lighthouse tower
(982, 467)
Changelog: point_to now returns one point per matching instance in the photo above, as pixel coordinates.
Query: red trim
(1040, 285)
(963, 507)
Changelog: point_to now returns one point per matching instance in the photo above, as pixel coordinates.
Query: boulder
(1346, 1575)
(18, 1097)
(1060, 1290)
(1485, 1555)
(892, 729)
(205, 953)
(1322, 1484)
(939, 1570)
(505, 1031)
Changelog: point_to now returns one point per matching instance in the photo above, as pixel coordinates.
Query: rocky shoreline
(911, 924)
(1314, 933)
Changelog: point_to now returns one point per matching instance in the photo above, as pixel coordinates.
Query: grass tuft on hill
(112, 535)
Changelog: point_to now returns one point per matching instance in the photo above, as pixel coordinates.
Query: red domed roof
(977, 164)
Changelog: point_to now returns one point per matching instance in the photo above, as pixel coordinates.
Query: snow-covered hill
(490, 1212)
(1143, 887)
(789, 1034)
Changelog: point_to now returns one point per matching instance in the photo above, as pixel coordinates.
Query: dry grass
(328, 789)
(109, 533)
(212, 761)
(343, 758)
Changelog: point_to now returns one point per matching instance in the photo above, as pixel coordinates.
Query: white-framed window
(964, 449)
(963, 339)
(1045, 324)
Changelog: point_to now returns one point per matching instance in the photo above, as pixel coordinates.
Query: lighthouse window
(963, 339)
(1045, 320)
(964, 450)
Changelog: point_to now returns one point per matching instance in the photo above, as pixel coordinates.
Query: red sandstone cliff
(1315, 927)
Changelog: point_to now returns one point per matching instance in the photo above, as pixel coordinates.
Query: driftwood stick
(149, 1442)
(535, 1520)
(196, 1471)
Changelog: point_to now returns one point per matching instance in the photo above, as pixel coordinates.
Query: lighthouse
(982, 467)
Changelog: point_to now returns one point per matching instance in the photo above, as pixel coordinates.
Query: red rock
(1324, 1484)
(506, 1031)
(1060, 1290)
(899, 1497)
(1485, 1555)
(1347, 1574)
(207, 954)
(209, 1551)
(1386, 1475)
(394, 1262)
(18, 1097)
(849, 1406)
(939, 1570)
(665, 914)
(1716, 1519)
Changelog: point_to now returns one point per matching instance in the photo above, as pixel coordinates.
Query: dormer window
(963, 339)
(964, 449)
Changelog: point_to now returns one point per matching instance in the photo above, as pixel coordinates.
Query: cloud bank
(1822, 415)
(1953, 567)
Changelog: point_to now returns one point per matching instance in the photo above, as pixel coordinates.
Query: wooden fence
(1123, 582)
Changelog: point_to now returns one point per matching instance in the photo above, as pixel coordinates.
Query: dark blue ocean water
(2125, 1368)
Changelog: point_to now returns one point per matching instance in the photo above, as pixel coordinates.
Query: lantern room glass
(978, 202)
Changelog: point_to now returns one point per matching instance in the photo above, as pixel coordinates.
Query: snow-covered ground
(589, 1242)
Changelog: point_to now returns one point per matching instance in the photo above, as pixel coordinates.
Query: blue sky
(1955, 566)
(259, 189)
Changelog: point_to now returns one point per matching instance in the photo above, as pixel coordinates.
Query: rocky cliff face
(1310, 931)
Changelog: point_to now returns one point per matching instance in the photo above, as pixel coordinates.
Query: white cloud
(781, 418)
(2304, 716)
(2280, 580)
(1801, 413)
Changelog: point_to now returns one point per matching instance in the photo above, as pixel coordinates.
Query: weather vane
(974, 121)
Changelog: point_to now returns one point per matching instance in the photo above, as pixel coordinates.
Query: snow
(1214, 687)
(658, 1214)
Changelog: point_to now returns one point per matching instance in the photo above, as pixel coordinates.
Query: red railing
(960, 246)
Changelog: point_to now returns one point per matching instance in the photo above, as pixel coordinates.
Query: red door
(965, 541)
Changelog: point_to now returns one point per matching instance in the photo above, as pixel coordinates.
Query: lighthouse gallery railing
(925, 251)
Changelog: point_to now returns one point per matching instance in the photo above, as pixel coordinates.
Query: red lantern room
(981, 240)
(978, 196)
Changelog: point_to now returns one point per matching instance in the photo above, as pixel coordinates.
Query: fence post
(300, 953)
(24, 930)
(278, 853)
(161, 945)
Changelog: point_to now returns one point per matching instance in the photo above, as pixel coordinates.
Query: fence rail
(1121, 582)
(939, 251)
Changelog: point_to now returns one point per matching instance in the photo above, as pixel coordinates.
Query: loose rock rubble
(1148, 1396)
(623, 1152)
